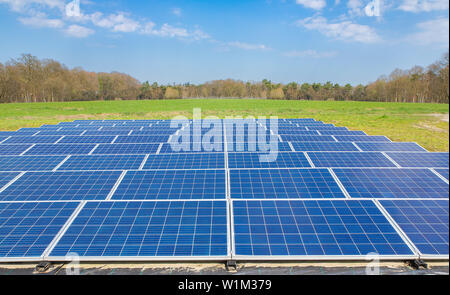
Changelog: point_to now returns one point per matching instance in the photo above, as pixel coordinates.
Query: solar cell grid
(32, 139)
(283, 183)
(126, 149)
(278, 160)
(13, 149)
(392, 183)
(6, 177)
(87, 139)
(425, 222)
(172, 185)
(26, 229)
(60, 149)
(185, 161)
(258, 147)
(349, 159)
(142, 139)
(343, 133)
(102, 162)
(59, 133)
(311, 138)
(191, 147)
(314, 228)
(366, 138)
(147, 229)
(324, 146)
(29, 163)
(61, 186)
(390, 146)
(426, 160)
(443, 172)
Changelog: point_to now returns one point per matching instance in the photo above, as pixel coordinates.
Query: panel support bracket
(417, 264)
(231, 265)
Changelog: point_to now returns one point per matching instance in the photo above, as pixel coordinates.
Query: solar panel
(13, 149)
(365, 138)
(171, 230)
(103, 162)
(258, 147)
(349, 159)
(126, 149)
(32, 139)
(168, 148)
(185, 161)
(157, 132)
(318, 229)
(323, 128)
(324, 146)
(60, 149)
(105, 133)
(392, 183)
(296, 132)
(87, 139)
(142, 139)
(29, 163)
(57, 186)
(427, 160)
(278, 160)
(343, 133)
(59, 133)
(307, 138)
(443, 172)
(5, 134)
(283, 183)
(390, 147)
(26, 229)
(425, 222)
(6, 177)
(172, 185)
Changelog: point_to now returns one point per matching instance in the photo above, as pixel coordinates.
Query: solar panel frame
(185, 161)
(443, 172)
(425, 160)
(6, 177)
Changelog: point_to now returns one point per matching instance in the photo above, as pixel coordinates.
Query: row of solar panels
(195, 230)
(213, 184)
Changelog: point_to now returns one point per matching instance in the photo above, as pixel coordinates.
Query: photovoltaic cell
(260, 160)
(26, 229)
(105, 133)
(390, 147)
(126, 149)
(142, 139)
(343, 133)
(168, 148)
(427, 160)
(13, 149)
(443, 172)
(425, 222)
(297, 132)
(87, 139)
(349, 159)
(392, 183)
(5, 134)
(186, 161)
(147, 229)
(65, 186)
(32, 139)
(60, 149)
(103, 162)
(308, 138)
(172, 185)
(6, 177)
(314, 228)
(59, 133)
(365, 138)
(324, 146)
(29, 163)
(257, 147)
(283, 183)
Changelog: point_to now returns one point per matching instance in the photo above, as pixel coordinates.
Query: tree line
(28, 79)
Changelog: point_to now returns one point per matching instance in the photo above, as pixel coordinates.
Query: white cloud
(431, 32)
(176, 11)
(169, 31)
(355, 7)
(79, 31)
(423, 5)
(248, 46)
(310, 53)
(41, 21)
(344, 30)
(314, 4)
(116, 22)
(22, 5)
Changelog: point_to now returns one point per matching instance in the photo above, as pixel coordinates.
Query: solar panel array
(294, 189)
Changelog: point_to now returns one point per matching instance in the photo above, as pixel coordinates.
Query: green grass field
(426, 124)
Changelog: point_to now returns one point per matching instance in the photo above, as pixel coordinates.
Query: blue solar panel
(6, 177)
(191, 147)
(59, 133)
(105, 133)
(126, 149)
(65, 186)
(60, 149)
(390, 147)
(392, 183)
(172, 185)
(29, 163)
(186, 161)
(425, 222)
(314, 228)
(147, 229)
(26, 229)
(324, 146)
(311, 138)
(87, 139)
(296, 132)
(32, 139)
(13, 149)
(283, 183)
(349, 159)
(257, 147)
(142, 139)
(443, 172)
(157, 132)
(363, 138)
(427, 160)
(279, 160)
(342, 133)
(5, 134)
(103, 162)
(323, 128)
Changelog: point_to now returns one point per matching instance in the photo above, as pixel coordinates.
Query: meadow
(426, 124)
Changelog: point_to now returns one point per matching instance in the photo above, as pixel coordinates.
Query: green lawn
(426, 124)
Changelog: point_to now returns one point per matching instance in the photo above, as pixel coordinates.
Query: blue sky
(343, 41)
